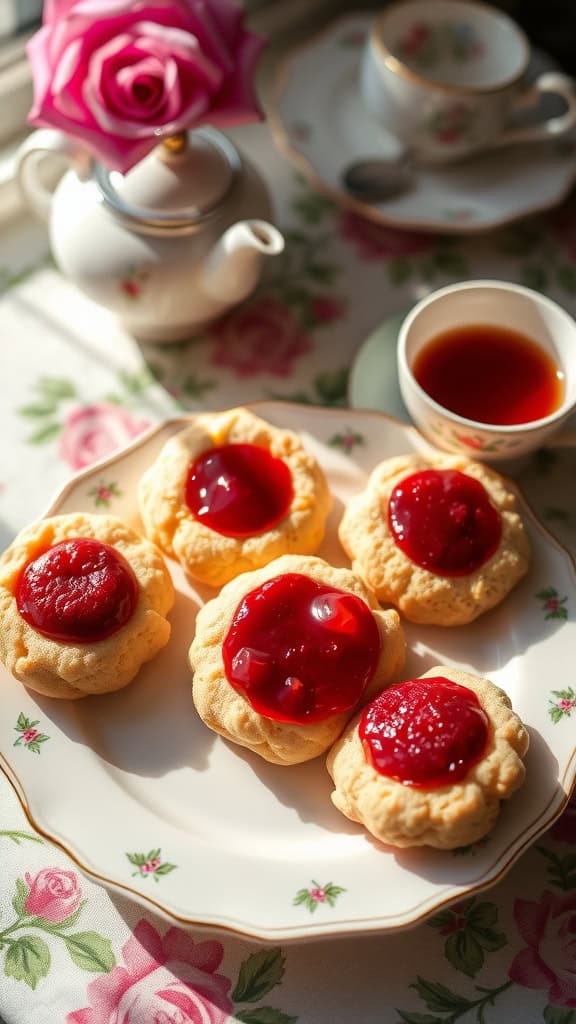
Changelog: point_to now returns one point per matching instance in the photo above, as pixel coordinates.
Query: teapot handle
(32, 153)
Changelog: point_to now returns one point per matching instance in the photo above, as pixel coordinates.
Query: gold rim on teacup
(399, 67)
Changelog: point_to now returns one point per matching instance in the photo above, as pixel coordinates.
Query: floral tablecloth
(73, 388)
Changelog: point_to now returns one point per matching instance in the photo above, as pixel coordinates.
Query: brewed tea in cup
(488, 369)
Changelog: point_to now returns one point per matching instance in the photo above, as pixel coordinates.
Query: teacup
(446, 77)
(508, 308)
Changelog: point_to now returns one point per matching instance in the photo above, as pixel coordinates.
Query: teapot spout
(234, 264)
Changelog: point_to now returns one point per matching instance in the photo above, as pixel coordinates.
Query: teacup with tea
(446, 77)
(488, 369)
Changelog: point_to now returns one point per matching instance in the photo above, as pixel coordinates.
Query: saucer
(319, 121)
(373, 380)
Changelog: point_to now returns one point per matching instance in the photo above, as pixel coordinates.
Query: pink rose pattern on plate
(29, 736)
(317, 894)
(150, 864)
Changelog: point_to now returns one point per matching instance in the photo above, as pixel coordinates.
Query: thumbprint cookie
(429, 760)
(285, 654)
(230, 493)
(441, 538)
(83, 604)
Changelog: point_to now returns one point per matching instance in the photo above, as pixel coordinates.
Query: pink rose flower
(29, 734)
(262, 336)
(549, 960)
(97, 430)
(378, 242)
(170, 980)
(118, 75)
(54, 894)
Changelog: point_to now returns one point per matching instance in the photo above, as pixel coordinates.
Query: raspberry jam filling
(300, 651)
(239, 489)
(424, 733)
(78, 591)
(443, 520)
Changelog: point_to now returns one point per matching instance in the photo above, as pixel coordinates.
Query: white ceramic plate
(225, 839)
(320, 122)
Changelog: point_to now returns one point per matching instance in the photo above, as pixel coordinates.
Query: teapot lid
(176, 187)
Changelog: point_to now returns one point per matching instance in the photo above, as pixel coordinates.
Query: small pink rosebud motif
(29, 735)
(566, 705)
(319, 895)
(151, 866)
(54, 894)
(104, 493)
(552, 604)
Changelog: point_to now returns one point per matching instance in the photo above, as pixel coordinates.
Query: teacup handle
(32, 153)
(552, 82)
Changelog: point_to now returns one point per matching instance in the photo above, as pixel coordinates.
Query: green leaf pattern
(150, 864)
(258, 975)
(29, 736)
(317, 894)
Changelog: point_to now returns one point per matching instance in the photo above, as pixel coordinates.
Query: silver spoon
(375, 179)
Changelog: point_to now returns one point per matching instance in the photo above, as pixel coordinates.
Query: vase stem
(176, 143)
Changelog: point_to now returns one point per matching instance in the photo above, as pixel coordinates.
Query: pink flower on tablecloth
(97, 430)
(171, 980)
(325, 309)
(378, 242)
(54, 894)
(262, 336)
(564, 830)
(549, 959)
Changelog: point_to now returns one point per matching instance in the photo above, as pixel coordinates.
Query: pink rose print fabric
(549, 959)
(54, 894)
(95, 431)
(260, 337)
(376, 242)
(564, 829)
(164, 980)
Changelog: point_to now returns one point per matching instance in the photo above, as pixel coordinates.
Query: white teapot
(169, 246)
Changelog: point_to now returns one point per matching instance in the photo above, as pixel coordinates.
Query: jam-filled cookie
(440, 538)
(428, 761)
(230, 493)
(83, 604)
(285, 654)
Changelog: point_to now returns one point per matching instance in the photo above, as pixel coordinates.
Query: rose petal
(527, 969)
(562, 992)
(206, 956)
(531, 920)
(144, 951)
